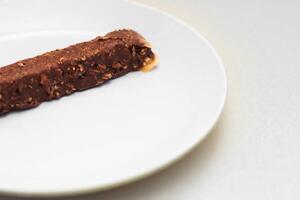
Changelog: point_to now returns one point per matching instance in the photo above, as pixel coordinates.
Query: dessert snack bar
(28, 83)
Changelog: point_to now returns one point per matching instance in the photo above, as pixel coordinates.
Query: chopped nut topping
(56, 87)
(81, 68)
(143, 52)
(149, 65)
(107, 76)
(147, 59)
(117, 65)
(44, 80)
(133, 51)
(20, 64)
(146, 62)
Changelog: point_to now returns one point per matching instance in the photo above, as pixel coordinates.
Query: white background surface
(254, 152)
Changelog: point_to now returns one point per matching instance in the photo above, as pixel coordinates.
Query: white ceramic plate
(117, 133)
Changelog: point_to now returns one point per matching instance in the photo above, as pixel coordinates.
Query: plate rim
(152, 170)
